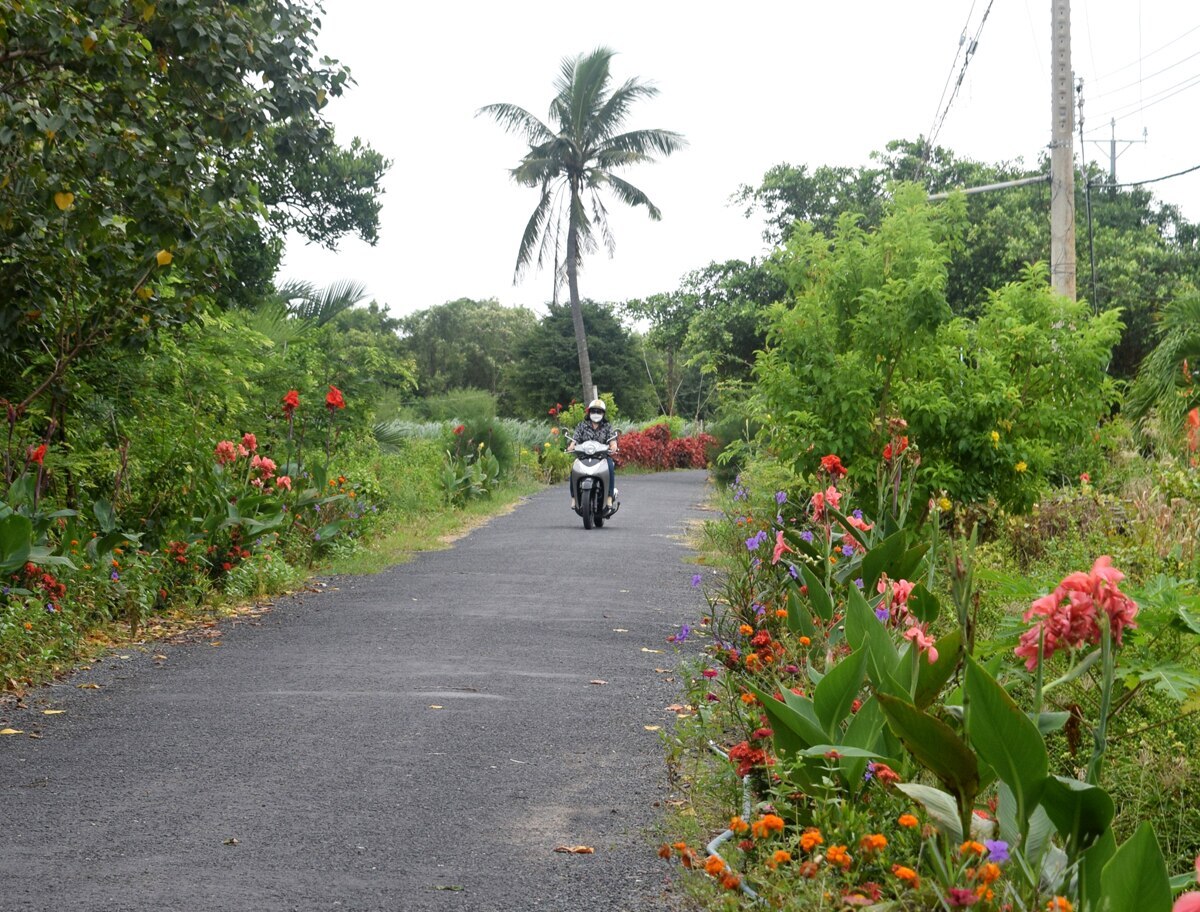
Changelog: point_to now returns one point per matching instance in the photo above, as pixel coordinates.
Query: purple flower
(696, 580)
(792, 572)
(756, 540)
(807, 535)
(997, 850)
(870, 773)
(684, 632)
(759, 610)
(780, 497)
(881, 613)
(858, 582)
(857, 514)
(848, 550)
(115, 576)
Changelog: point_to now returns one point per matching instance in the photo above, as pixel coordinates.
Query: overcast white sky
(750, 85)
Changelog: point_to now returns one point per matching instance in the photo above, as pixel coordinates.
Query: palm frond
(534, 229)
(646, 143)
(1169, 367)
(325, 304)
(274, 321)
(600, 218)
(632, 196)
(616, 107)
(515, 119)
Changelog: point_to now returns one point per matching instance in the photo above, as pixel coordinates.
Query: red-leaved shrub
(653, 448)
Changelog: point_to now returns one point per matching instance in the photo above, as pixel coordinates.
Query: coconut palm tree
(1169, 377)
(571, 163)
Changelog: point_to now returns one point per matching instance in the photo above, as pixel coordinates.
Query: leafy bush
(653, 448)
(470, 405)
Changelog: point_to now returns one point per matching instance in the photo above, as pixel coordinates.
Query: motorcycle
(589, 481)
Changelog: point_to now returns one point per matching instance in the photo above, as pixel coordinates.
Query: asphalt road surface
(422, 739)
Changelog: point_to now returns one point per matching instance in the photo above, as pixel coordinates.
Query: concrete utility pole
(1062, 159)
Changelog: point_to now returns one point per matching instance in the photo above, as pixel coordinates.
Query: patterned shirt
(602, 432)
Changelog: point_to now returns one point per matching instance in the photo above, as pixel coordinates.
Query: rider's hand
(571, 447)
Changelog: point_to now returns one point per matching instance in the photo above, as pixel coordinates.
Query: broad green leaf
(883, 558)
(939, 805)
(1081, 812)
(864, 628)
(1135, 878)
(16, 539)
(793, 732)
(931, 678)
(1091, 864)
(105, 515)
(923, 604)
(936, 746)
(822, 750)
(865, 730)
(1173, 680)
(838, 690)
(1006, 739)
(821, 602)
(799, 619)
(1050, 722)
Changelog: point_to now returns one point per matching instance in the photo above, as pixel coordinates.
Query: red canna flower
(333, 399)
(37, 454)
(291, 402)
(833, 465)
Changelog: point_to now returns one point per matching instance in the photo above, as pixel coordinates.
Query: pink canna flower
(225, 452)
(250, 442)
(781, 547)
(1189, 902)
(920, 638)
(283, 483)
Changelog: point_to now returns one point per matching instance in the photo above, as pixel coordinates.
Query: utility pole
(1113, 155)
(1062, 159)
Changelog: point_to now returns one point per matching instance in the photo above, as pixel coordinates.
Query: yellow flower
(995, 438)
(944, 504)
(164, 257)
(1021, 466)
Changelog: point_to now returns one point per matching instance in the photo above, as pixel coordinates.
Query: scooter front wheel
(588, 513)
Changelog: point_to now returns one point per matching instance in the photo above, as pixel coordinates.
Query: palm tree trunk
(585, 364)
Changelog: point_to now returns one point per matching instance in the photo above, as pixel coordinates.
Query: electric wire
(1144, 57)
(962, 41)
(970, 52)
(1141, 80)
(1153, 180)
(1123, 112)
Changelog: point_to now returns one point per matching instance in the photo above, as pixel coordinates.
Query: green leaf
(842, 750)
(838, 690)
(931, 678)
(1081, 812)
(799, 619)
(105, 515)
(1135, 878)
(882, 558)
(1006, 739)
(923, 604)
(1091, 865)
(863, 627)
(1050, 722)
(866, 730)
(936, 746)
(16, 539)
(820, 599)
(940, 806)
(793, 731)
(1175, 681)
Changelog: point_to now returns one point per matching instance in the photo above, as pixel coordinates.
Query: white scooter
(589, 481)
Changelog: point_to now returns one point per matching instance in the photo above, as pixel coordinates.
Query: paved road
(311, 738)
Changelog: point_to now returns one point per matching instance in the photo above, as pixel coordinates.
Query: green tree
(143, 149)
(544, 372)
(997, 404)
(465, 343)
(1169, 378)
(571, 163)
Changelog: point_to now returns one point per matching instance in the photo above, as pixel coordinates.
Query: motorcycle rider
(596, 427)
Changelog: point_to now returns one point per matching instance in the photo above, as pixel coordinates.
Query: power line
(962, 40)
(1153, 180)
(970, 52)
(1144, 57)
(1123, 111)
(1140, 80)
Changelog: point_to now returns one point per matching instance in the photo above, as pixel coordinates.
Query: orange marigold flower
(805, 641)
(748, 698)
(873, 842)
(971, 847)
(908, 875)
(837, 855)
(985, 893)
(779, 857)
(731, 881)
(1060, 904)
(746, 630)
(766, 825)
(680, 846)
(907, 820)
(752, 659)
(810, 839)
(809, 869)
(738, 825)
(664, 851)
(714, 865)
(780, 612)
(989, 873)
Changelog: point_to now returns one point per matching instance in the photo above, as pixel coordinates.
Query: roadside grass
(433, 531)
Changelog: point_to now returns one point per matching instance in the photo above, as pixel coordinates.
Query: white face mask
(596, 416)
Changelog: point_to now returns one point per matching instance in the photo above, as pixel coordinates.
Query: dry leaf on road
(575, 850)
(644, 649)
(89, 686)
(53, 712)
(11, 731)
(652, 728)
(597, 681)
